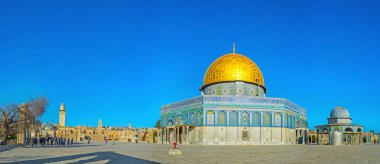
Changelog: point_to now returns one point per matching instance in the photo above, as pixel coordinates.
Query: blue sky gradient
(122, 60)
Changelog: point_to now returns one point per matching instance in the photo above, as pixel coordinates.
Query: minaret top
(62, 107)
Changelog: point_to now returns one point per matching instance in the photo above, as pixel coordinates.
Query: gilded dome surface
(233, 67)
(339, 112)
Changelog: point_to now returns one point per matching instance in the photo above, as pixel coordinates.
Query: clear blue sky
(122, 60)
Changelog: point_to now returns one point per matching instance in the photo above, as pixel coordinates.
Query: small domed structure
(339, 112)
(339, 115)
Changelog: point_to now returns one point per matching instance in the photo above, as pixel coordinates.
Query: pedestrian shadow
(101, 157)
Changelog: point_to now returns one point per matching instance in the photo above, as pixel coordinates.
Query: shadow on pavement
(105, 157)
(56, 146)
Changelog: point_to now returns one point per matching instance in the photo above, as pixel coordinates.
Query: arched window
(199, 118)
(336, 129)
(186, 119)
(245, 119)
(210, 118)
(170, 123)
(267, 119)
(256, 119)
(287, 121)
(292, 120)
(178, 120)
(278, 119)
(222, 118)
(359, 130)
(233, 118)
(192, 120)
(348, 129)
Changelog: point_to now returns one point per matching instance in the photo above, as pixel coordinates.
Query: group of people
(50, 141)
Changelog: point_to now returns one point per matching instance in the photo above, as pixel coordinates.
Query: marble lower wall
(226, 135)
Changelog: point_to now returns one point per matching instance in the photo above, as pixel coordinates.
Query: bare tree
(10, 115)
(16, 118)
(37, 106)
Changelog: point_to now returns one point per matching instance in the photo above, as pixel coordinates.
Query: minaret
(100, 124)
(62, 115)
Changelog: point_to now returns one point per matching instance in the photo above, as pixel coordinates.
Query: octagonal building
(233, 109)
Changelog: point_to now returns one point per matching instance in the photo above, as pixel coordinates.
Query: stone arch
(309, 139)
(313, 139)
(210, 117)
(348, 129)
(170, 123)
(359, 130)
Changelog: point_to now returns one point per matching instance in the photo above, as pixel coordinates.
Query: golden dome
(233, 67)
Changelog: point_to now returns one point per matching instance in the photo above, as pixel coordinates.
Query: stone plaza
(122, 152)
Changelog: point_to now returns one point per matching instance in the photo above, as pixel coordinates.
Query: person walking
(35, 140)
(88, 141)
(72, 141)
(105, 139)
(32, 142)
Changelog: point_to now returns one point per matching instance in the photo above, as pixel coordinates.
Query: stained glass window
(278, 120)
(256, 119)
(267, 119)
(199, 118)
(222, 118)
(233, 118)
(210, 118)
(192, 118)
(245, 118)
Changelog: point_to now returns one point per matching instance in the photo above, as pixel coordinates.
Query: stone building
(233, 109)
(98, 133)
(341, 128)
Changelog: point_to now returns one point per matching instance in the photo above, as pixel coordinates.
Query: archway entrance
(348, 129)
